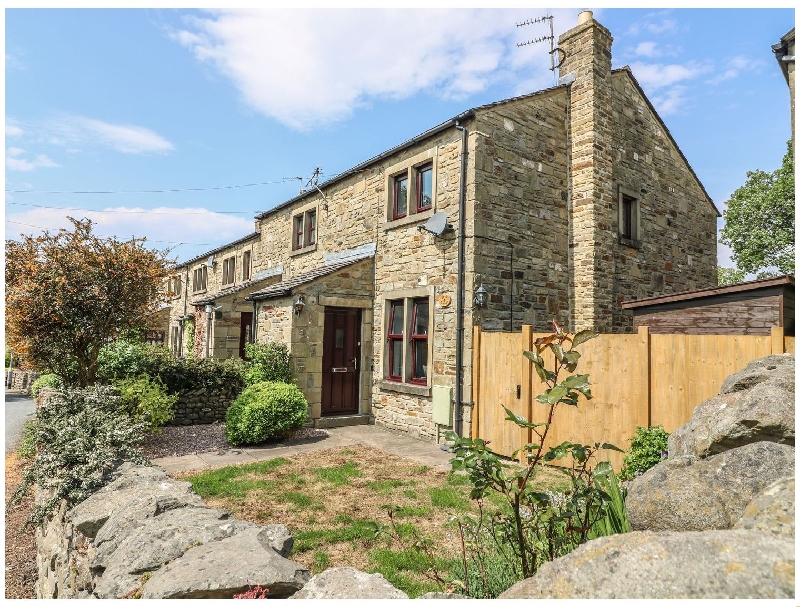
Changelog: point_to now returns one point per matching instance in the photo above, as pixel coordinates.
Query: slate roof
(218, 249)
(286, 287)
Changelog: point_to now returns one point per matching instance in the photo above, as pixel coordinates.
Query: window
(424, 193)
(400, 196)
(407, 340)
(628, 218)
(200, 279)
(304, 229)
(174, 286)
(175, 333)
(228, 270)
(410, 188)
(246, 265)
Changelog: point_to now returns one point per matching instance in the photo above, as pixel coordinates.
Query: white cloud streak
(308, 68)
(71, 131)
(16, 162)
(197, 225)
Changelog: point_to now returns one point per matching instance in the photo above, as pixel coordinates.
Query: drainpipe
(254, 327)
(462, 196)
(209, 314)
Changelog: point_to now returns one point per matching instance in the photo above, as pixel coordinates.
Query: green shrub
(49, 380)
(263, 411)
(146, 399)
(82, 434)
(648, 448)
(124, 358)
(27, 447)
(267, 362)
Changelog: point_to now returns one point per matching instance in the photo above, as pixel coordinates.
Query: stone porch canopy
(257, 280)
(287, 286)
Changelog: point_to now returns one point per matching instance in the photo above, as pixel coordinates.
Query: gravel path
(175, 441)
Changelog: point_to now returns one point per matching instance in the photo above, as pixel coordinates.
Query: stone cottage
(560, 204)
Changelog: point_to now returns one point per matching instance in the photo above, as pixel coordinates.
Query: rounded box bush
(263, 411)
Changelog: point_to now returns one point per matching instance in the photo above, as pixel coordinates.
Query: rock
(772, 511)
(157, 541)
(690, 494)
(762, 413)
(776, 367)
(226, 567)
(130, 484)
(348, 583)
(730, 564)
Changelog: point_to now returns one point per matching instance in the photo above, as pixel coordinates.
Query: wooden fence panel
(688, 369)
(637, 380)
(617, 369)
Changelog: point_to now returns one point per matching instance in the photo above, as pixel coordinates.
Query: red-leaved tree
(68, 293)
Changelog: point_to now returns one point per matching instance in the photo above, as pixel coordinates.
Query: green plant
(338, 475)
(530, 526)
(264, 411)
(267, 362)
(146, 399)
(81, 434)
(615, 520)
(27, 447)
(49, 380)
(648, 447)
(123, 358)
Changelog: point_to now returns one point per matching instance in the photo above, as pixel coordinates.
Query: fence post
(644, 378)
(525, 391)
(476, 381)
(778, 342)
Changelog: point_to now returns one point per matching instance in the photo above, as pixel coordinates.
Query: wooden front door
(245, 328)
(341, 359)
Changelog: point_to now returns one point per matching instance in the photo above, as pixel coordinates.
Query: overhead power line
(175, 242)
(174, 211)
(164, 191)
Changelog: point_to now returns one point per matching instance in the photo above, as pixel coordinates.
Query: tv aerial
(553, 49)
(437, 224)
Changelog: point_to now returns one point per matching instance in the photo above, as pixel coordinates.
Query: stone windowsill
(307, 249)
(636, 244)
(417, 390)
(408, 219)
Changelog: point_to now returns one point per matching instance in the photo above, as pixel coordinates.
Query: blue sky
(181, 125)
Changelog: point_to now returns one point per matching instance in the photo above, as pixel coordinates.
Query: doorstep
(338, 421)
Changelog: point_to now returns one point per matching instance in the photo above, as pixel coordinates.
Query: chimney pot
(584, 17)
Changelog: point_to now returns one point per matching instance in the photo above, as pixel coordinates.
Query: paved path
(425, 452)
(19, 409)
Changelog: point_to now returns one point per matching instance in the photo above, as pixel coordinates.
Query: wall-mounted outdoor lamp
(298, 305)
(480, 297)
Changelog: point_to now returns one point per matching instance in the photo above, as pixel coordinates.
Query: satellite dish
(210, 261)
(437, 224)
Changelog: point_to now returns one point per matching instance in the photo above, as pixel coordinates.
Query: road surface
(19, 409)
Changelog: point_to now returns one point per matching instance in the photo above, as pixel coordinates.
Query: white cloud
(655, 75)
(71, 131)
(670, 101)
(654, 23)
(16, 162)
(734, 67)
(13, 130)
(646, 49)
(200, 228)
(307, 68)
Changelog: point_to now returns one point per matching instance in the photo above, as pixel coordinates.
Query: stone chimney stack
(587, 69)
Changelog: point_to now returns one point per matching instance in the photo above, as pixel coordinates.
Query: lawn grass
(354, 507)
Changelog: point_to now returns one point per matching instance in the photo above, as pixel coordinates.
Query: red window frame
(392, 338)
(428, 168)
(311, 219)
(416, 338)
(397, 181)
(298, 232)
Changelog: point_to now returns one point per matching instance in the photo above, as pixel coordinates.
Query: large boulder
(731, 564)
(226, 567)
(348, 583)
(772, 511)
(754, 405)
(690, 494)
(146, 485)
(777, 368)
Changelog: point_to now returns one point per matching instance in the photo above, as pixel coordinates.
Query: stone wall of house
(521, 230)
(21, 380)
(678, 224)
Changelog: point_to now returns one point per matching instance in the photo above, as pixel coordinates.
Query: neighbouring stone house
(560, 204)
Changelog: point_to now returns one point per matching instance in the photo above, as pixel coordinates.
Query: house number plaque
(444, 300)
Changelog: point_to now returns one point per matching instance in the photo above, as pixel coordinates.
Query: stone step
(337, 421)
